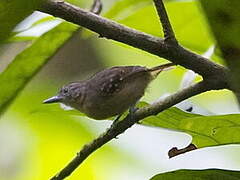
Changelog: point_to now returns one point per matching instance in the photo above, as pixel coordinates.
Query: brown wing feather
(112, 80)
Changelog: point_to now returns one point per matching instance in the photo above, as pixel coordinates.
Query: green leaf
(205, 130)
(209, 174)
(213, 130)
(170, 118)
(29, 62)
(20, 39)
(43, 20)
(14, 11)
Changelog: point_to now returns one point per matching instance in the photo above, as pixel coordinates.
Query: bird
(110, 92)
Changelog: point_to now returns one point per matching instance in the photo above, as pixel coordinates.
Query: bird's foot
(132, 110)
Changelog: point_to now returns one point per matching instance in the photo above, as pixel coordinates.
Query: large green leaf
(209, 174)
(29, 62)
(14, 11)
(170, 118)
(205, 130)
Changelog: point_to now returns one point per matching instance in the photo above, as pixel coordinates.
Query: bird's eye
(65, 90)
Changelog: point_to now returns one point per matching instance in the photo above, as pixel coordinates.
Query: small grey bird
(109, 92)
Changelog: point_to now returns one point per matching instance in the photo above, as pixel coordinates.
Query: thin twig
(121, 126)
(96, 7)
(154, 45)
(166, 25)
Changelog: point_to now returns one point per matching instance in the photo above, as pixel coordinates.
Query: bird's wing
(112, 80)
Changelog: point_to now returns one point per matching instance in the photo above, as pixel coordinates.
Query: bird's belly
(111, 106)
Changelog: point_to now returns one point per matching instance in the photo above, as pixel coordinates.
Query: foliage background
(37, 140)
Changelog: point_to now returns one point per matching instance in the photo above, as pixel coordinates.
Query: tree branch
(166, 25)
(129, 121)
(154, 45)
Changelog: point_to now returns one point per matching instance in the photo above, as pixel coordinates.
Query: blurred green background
(37, 140)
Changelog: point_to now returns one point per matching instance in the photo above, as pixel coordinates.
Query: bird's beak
(54, 99)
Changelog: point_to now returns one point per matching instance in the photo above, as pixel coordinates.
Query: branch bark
(166, 25)
(121, 126)
(154, 45)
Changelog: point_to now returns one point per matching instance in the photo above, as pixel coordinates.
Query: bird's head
(67, 95)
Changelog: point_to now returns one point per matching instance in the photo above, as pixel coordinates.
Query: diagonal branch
(112, 30)
(121, 126)
(167, 27)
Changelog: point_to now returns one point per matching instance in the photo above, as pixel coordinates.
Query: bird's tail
(156, 70)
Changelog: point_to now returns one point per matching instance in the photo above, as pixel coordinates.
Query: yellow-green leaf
(209, 174)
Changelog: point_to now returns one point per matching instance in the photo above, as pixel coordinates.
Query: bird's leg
(132, 110)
